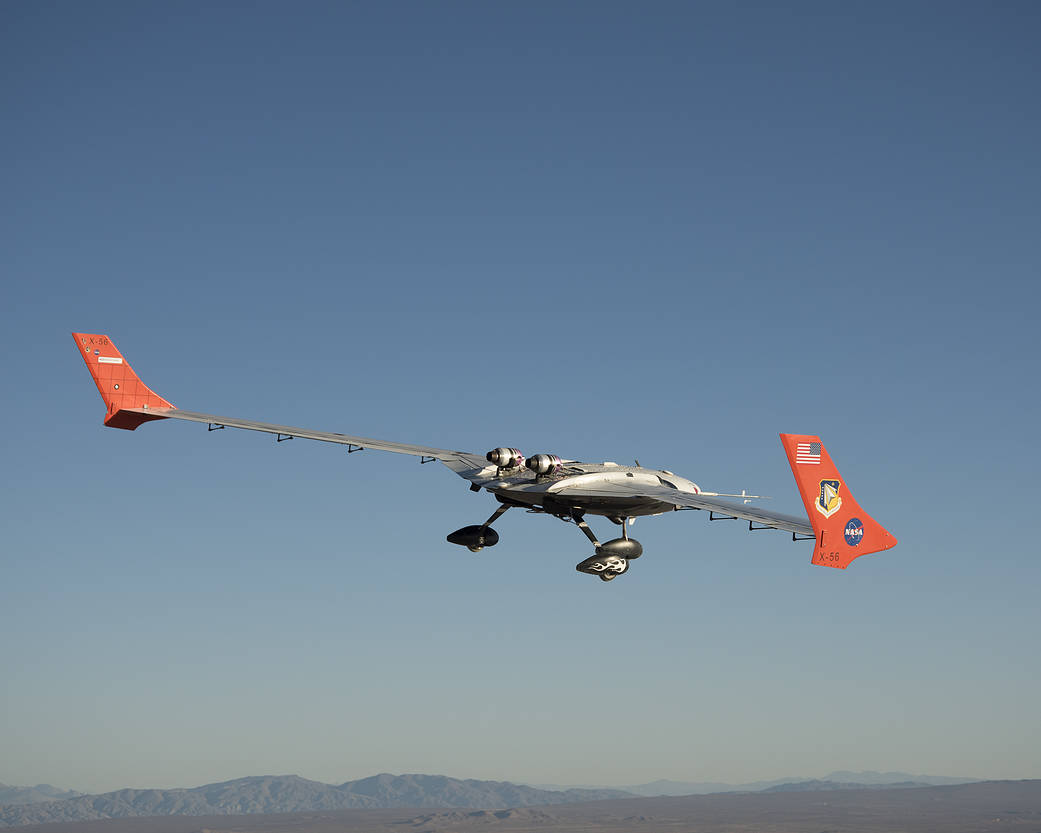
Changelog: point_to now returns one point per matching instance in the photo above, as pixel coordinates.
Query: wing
(726, 509)
(130, 403)
(745, 512)
(285, 432)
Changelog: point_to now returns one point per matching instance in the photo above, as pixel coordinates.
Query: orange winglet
(844, 530)
(118, 384)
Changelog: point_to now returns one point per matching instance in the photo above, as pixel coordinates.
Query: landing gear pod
(608, 567)
(622, 547)
(475, 537)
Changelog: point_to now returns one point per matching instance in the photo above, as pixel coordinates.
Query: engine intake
(544, 463)
(505, 458)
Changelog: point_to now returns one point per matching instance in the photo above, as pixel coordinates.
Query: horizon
(605, 232)
(536, 784)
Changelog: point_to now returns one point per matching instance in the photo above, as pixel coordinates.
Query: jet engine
(544, 463)
(505, 458)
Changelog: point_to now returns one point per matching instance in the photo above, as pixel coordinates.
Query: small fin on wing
(119, 386)
(844, 531)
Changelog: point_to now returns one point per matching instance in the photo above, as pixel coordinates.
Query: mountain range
(995, 806)
(290, 793)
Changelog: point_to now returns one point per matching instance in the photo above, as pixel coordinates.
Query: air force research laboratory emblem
(829, 501)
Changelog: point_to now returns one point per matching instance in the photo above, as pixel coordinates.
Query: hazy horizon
(540, 785)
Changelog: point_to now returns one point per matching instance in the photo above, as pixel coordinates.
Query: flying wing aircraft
(545, 483)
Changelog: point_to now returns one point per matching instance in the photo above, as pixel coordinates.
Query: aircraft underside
(610, 559)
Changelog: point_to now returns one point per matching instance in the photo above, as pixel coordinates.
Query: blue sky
(607, 231)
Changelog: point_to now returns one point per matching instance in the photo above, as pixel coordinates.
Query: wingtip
(120, 387)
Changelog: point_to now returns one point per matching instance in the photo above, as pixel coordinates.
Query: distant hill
(677, 788)
(30, 795)
(290, 794)
(664, 787)
(816, 784)
(871, 777)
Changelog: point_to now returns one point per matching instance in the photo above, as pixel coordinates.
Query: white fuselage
(556, 493)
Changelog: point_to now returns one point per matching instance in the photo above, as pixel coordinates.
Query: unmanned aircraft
(545, 483)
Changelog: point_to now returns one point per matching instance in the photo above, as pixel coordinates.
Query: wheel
(609, 576)
(475, 549)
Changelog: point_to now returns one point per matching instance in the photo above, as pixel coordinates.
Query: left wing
(130, 402)
(726, 509)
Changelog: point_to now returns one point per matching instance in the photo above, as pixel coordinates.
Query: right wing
(130, 402)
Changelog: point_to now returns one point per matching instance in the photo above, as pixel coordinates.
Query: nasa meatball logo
(854, 532)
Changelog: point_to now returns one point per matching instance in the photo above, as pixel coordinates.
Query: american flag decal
(808, 453)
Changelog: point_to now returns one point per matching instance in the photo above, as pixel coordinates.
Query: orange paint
(119, 386)
(844, 530)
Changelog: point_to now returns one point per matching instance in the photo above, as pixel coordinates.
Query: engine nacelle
(505, 458)
(544, 463)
